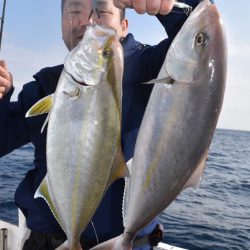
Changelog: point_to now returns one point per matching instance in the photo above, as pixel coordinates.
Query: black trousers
(45, 241)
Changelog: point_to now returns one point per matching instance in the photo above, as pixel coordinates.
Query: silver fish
(84, 129)
(179, 122)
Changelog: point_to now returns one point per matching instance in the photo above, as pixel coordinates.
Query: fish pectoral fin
(195, 179)
(45, 123)
(43, 106)
(165, 80)
(43, 192)
(120, 168)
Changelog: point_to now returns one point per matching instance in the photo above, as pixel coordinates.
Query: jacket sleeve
(152, 57)
(176, 18)
(13, 127)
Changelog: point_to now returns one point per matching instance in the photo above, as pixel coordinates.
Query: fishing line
(95, 232)
(2, 22)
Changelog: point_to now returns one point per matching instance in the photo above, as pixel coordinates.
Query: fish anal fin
(126, 192)
(195, 179)
(43, 192)
(43, 106)
(120, 168)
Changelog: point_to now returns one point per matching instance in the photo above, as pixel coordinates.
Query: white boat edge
(16, 236)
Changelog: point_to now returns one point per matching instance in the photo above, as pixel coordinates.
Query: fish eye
(107, 53)
(201, 39)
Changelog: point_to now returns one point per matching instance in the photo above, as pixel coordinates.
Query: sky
(32, 40)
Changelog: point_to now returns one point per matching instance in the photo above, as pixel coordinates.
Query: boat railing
(3, 238)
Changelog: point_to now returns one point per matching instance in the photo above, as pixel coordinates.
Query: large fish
(178, 124)
(84, 129)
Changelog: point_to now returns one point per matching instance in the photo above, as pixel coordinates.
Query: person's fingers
(122, 3)
(166, 6)
(4, 73)
(140, 6)
(2, 89)
(3, 64)
(5, 80)
(153, 7)
(147, 6)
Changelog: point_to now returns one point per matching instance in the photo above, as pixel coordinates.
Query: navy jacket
(142, 63)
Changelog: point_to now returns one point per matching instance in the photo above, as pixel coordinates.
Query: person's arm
(13, 128)
(176, 18)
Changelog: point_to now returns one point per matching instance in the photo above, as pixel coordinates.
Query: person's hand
(152, 7)
(5, 79)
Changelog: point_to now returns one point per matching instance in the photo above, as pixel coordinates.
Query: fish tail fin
(116, 243)
(67, 246)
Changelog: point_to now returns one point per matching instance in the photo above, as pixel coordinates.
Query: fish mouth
(81, 83)
(84, 84)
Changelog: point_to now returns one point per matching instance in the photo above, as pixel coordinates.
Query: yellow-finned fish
(179, 122)
(84, 128)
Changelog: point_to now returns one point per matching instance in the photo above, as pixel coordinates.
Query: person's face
(77, 14)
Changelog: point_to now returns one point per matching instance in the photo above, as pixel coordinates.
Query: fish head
(90, 61)
(199, 45)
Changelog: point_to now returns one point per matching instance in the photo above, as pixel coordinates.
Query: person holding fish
(141, 64)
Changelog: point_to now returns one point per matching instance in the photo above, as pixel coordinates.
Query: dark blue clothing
(142, 63)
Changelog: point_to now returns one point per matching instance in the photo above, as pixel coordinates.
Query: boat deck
(12, 237)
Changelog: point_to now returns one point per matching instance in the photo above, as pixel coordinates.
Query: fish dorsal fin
(120, 168)
(126, 193)
(43, 106)
(43, 192)
(195, 179)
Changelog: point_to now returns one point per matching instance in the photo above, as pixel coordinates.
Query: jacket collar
(129, 45)
(48, 78)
